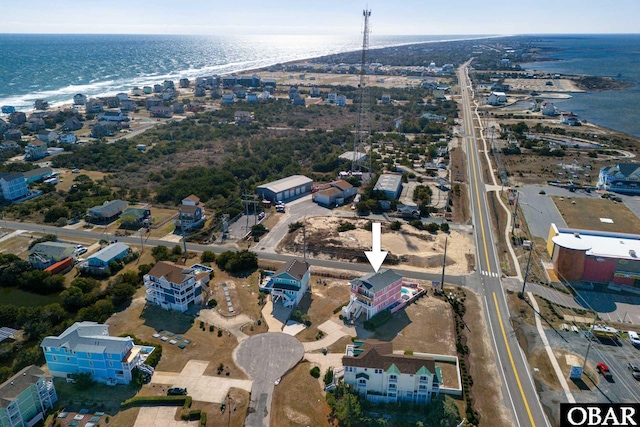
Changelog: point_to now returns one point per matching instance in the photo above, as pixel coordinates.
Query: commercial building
(334, 193)
(620, 178)
(376, 373)
(373, 293)
(285, 189)
(87, 348)
(26, 397)
(350, 156)
(175, 287)
(390, 185)
(590, 256)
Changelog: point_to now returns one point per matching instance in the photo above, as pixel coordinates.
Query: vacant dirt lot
(425, 326)
(299, 401)
(66, 177)
(319, 305)
(585, 213)
(413, 247)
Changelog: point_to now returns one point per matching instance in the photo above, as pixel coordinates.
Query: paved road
(266, 357)
(518, 388)
(262, 254)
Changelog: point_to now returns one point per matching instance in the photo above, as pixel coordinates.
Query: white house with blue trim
(86, 347)
(174, 287)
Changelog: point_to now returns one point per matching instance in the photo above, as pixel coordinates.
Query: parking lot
(622, 388)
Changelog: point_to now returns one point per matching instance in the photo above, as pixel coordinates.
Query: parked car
(634, 338)
(176, 391)
(278, 380)
(635, 371)
(81, 250)
(604, 370)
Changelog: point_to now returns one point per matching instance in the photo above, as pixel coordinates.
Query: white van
(635, 339)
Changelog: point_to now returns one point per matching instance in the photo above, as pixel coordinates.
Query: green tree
(444, 227)
(328, 376)
(208, 256)
(72, 299)
(348, 411)
(160, 253)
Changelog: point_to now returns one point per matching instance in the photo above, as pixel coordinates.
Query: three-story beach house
(375, 372)
(86, 347)
(290, 282)
(373, 293)
(25, 397)
(174, 287)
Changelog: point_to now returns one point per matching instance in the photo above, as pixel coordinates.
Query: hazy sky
(341, 17)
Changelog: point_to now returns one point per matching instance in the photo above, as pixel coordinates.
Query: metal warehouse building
(390, 185)
(285, 189)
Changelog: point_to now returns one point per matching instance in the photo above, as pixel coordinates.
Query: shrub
(377, 320)
(433, 227)
(417, 224)
(396, 225)
(315, 372)
(211, 328)
(294, 226)
(339, 308)
(346, 226)
(212, 303)
(208, 256)
(219, 332)
(444, 227)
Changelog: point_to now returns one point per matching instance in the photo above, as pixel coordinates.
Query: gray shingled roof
(87, 336)
(296, 269)
(11, 388)
(375, 282)
(55, 250)
(108, 209)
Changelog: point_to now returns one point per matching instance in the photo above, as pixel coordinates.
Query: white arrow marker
(375, 255)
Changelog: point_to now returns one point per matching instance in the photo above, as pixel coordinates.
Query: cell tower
(362, 121)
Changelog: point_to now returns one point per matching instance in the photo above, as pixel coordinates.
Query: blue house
(290, 282)
(101, 259)
(86, 347)
(13, 186)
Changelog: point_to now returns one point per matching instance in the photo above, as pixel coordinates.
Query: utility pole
(444, 264)
(586, 355)
(526, 273)
(515, 213)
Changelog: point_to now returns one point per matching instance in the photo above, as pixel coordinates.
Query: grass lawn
(18, 245)
(319, 305)
(99, 398)
(586, 214)
(143, 321)
(298, 400)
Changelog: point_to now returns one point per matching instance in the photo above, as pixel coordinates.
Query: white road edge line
(495, 347)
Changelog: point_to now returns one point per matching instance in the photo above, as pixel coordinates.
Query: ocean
(597, 55)
(56, 67)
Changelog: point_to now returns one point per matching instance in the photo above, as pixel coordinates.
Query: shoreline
(203, 72)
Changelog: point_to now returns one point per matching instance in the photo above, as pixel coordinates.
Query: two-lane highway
(518, 389)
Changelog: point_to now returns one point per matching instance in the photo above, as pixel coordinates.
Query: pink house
(373, 293)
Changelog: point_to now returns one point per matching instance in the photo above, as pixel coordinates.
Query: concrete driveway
(266, 357)
(203, 388)
(153, 416)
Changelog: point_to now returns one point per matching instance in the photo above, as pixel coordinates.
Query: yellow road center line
(513, 365)
(472, 149)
